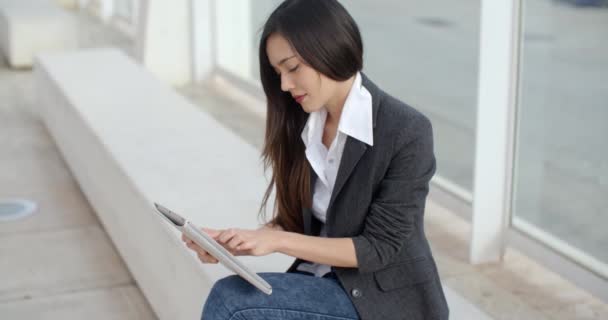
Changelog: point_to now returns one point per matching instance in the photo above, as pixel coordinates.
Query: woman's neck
(336, 104)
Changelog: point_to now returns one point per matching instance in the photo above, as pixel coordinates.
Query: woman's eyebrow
(285, 59)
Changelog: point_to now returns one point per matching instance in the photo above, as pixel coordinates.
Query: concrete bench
(29, 27)
(129, 141)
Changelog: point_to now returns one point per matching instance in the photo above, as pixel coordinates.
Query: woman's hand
(258, 242)
(239, 242)
(203, 255)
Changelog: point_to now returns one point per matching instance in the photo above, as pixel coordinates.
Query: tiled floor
(58, 263)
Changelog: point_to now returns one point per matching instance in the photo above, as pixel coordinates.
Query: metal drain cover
(15, 209)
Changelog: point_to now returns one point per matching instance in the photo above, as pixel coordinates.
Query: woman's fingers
(184, 238)
(234, 242)
(226, 235)
(212, 232)
(206, 258)
(244, 246)
(203, 255)
(193, 246)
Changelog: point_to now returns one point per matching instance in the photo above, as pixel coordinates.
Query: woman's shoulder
(393, 113)
(400, 111)
(399, 120)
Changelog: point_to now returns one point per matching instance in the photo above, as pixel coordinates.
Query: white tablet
(214, 248)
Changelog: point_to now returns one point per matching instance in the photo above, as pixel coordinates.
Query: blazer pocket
(404, 274)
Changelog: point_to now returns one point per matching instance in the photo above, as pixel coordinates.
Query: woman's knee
(227, 284)
(216, 307)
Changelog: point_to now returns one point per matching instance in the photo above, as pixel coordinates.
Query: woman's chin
(308, 109)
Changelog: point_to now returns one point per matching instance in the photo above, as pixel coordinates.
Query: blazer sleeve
(399, 198)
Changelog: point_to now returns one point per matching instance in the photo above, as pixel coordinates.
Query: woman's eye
(294, 69)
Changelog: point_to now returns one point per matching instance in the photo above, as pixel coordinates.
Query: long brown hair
(327, 38)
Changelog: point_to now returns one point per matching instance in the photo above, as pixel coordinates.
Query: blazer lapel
(353, 148)
(353, 151)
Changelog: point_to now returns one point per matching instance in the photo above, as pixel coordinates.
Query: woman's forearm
(337, 252)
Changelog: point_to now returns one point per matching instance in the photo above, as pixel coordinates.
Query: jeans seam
(238, 312)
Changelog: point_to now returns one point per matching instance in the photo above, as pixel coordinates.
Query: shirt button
(356, 293)
(331, 161)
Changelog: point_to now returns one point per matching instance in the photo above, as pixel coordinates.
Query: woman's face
(309, 88)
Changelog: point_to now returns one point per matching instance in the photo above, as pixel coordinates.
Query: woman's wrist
(282, 241)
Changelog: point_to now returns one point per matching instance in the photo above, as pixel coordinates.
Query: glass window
(233, 36)
(561, 168)
(124, 9)
(259, 14)
(426, 54)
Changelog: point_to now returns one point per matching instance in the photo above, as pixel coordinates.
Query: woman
(351, 167)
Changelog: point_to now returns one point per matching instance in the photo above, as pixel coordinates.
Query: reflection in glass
(561, 170)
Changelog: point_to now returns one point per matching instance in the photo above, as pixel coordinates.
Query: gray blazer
(378, 200)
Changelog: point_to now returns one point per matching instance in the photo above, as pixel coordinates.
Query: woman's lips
(300, 98)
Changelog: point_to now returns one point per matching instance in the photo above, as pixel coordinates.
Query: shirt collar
(355, 121)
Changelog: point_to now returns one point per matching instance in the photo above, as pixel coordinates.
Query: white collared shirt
(355, 121)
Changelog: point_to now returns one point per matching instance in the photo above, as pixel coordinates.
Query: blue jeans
(294, 296)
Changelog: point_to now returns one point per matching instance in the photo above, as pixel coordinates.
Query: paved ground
(58, 263)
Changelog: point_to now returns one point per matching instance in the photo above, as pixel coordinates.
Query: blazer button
(356, 293)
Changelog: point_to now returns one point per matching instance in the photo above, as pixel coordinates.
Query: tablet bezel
(224, 256)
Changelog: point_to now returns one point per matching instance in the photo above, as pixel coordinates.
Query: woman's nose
(286, 83)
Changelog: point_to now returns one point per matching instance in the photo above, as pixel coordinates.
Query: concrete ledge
(29, 27)
(130, 140)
